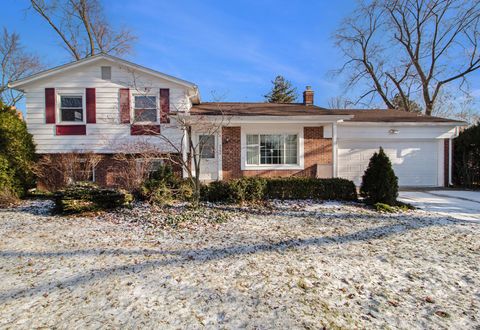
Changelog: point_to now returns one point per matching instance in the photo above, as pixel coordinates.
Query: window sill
(271, 167)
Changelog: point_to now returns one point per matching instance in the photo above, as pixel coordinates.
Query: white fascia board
(24, 81)
(231, 120)
(398, 123)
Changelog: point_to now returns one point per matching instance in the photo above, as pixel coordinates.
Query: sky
(231, 49)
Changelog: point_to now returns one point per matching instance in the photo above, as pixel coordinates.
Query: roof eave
(44, 74)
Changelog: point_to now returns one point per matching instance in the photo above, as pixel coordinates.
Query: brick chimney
(308, 96)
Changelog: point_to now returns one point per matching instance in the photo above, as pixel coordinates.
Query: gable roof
(50, 72)
(300, 109)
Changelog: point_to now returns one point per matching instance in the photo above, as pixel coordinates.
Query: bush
(257, 189)
(311, 188)
(466, 156)
(88, 197)
(17, 150)
(163, 186)
(235, 191)
(379, 183)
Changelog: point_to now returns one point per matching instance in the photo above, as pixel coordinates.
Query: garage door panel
(414, 162)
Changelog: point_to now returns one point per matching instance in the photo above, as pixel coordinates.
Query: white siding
(107, 135)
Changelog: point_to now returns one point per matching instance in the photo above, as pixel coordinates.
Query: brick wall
(231, 157)
(107, 172)
(317, 150)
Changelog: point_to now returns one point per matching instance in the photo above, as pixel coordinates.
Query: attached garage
(417, 163)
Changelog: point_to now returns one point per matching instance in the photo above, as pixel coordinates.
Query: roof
(300, 109)
(46, 73)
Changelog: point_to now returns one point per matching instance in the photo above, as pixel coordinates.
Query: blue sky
(230, 49)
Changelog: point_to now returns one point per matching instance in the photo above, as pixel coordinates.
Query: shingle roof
(300, 109)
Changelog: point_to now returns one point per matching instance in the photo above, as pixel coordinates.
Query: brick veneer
(106, 172)
(317, 150)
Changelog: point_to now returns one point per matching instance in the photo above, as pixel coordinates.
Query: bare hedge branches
(55, 171)
(83, 28)
(15, 63)
(410, 48)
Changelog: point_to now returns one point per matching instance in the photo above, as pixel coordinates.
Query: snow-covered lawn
(458, 204)
(299, 265)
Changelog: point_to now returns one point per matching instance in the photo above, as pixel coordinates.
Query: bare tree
(15, 63)
(410, 48)
(339, 102)
(177, 141)
(459, 107)
(83, 28)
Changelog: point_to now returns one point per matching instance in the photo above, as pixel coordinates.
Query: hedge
(257, 189)
(466, 156)
(88, 197)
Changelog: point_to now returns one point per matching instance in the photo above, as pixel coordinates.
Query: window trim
(272, 131)
(58, 99)
(132, 106)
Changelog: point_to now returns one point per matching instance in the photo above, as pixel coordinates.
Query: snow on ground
(293, 265)
(459, 204)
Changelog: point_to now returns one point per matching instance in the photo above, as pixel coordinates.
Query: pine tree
(379, 183)
(411, 105)
(282, 91)
(17, 151)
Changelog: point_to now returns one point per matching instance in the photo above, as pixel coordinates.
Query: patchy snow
(290, 265)
(462, 205)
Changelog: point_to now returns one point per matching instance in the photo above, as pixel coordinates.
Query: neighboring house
(106, 105)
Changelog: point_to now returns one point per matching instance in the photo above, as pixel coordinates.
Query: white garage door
(415, 162)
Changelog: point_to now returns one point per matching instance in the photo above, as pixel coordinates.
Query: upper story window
(145, 108)
(71, 108)
(272, 149)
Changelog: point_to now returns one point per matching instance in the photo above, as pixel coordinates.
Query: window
(206, 144)
(106, 72)
(71, 108)
(272, 149)
(149, 166)
(145, 108)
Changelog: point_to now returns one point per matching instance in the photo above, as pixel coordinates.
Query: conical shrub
(379, 183)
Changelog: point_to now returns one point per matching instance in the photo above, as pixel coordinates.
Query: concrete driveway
(459, 204)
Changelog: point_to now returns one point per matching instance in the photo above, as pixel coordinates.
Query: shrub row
(256, 189)
(88, 197)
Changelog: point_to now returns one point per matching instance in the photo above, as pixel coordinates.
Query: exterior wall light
(393, 131)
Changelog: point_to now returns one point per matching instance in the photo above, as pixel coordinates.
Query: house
(102, 104)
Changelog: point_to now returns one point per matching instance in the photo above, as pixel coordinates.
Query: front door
(207, 149)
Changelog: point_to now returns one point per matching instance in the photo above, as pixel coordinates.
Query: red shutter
(124, 105)
(164, 105)
(50, 105)
(91, 105)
